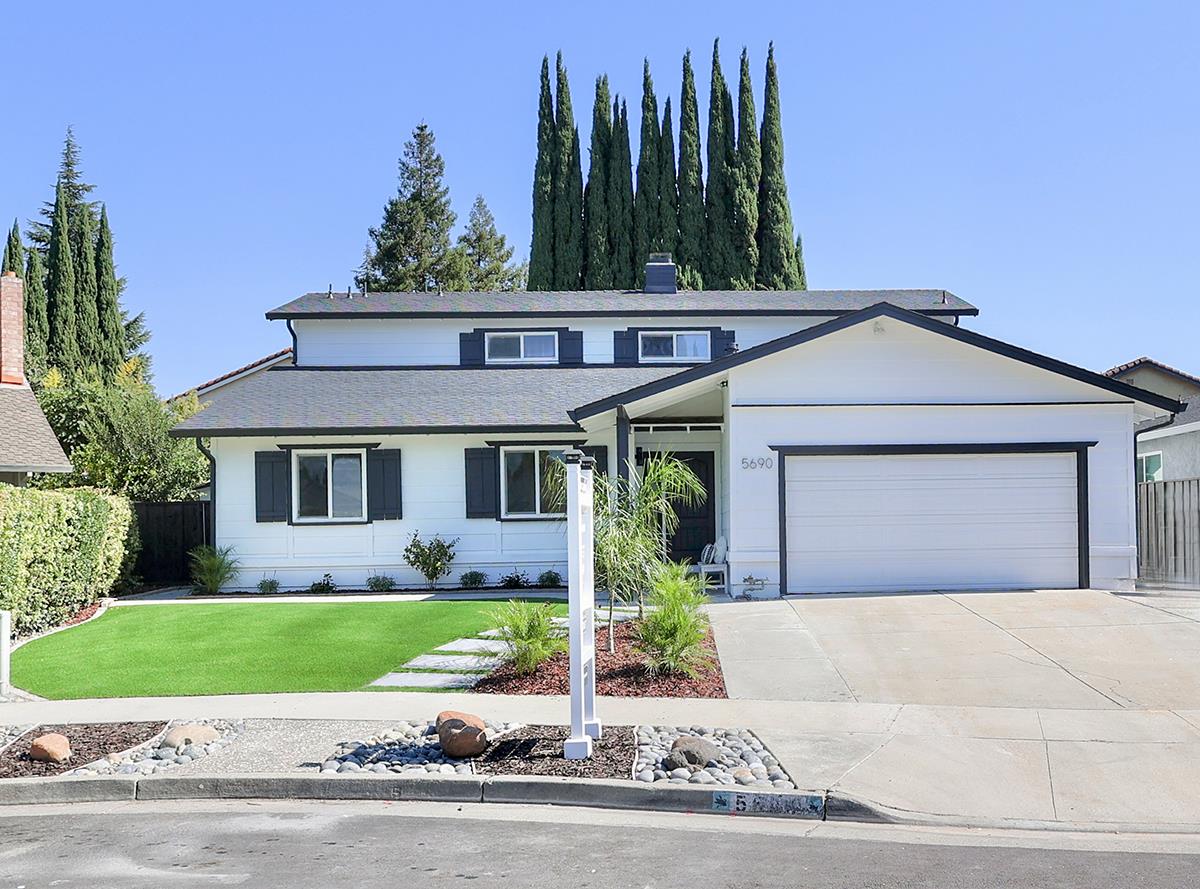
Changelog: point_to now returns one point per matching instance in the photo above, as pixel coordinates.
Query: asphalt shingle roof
(616, 303)
(299, 401)
(27, 443)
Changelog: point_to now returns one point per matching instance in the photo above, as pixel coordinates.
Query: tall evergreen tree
(541, 251)
(666, 235)
(87, 315)
(411, 249)
(63, 345)
(75, 189)
(691, 185)
(645, 203)
(36, 321)
(568, 189)
(487, 252)
(620, 200)
(108, 309)
(745, 191)
(597, 258)
(719, 266)
(803, 275)
(13, 252)
(777, 265)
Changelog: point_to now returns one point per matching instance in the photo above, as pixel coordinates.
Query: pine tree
(691, 185)
(75, 191)
(13, 252)
(62, 344)
(777, 264)
(108, 309)
(487, 252)
(36, 321)
(802, 284)
(411, 248)
(645, 202)
(597, 257)
(568, 189)
(666, 235)
(719, 265)
(620, 200)
(87, 317)
(745, 192)
(541, 251)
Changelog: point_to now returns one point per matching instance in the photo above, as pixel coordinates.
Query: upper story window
(674, 345)
(329, 485)
(1149, 467)
(540, 347)
(526, 487)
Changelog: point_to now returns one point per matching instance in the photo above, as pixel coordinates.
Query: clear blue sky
(1038, 159)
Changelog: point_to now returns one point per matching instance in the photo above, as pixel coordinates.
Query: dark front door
(697, 524)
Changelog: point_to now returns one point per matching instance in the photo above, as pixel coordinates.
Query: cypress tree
(13, 259)
(803, 282)
(62, 343)
(87, 315)
(541, 251)
(36, 322)
(112, 330)
(691, 185)
(777, 265)
(645, 203)
(597, 259)
(568, 189)
(620, 200)
(719, 265)
(666, 236)
(745, 193)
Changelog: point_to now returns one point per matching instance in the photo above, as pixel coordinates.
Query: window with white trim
(525, 473)
(674, 345)
(329, 485)
(1150, 467)
(518, 347)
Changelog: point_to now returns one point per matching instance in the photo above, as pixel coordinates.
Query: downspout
(210, 529)
(295, 343)
(622, 442)
(1137, 432)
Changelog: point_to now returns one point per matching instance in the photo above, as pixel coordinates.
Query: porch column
(622, 442)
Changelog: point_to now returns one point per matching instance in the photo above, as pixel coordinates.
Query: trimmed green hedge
(60, 551)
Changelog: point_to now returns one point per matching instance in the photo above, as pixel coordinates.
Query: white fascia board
(1168, 431)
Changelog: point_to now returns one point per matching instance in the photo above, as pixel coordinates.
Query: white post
(5, 651)
(582, 600)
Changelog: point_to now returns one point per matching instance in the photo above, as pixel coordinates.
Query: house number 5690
(758, 463)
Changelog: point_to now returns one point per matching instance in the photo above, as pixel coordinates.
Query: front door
(697, 524)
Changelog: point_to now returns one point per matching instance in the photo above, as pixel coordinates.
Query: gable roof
(883, 309)
(1122, 369)
(615, 303)
(216, 382)
(27, 443)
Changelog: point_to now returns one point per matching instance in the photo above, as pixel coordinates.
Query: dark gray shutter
(271, 486)
(483, 496)
(625, 347)
(722, 342)
(383, 484)
(599, 453)
(570, 347)
(470, 349)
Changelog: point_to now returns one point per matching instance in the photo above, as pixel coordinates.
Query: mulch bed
(89, 742)
(82, 615)
(621, 674)
(538, 750)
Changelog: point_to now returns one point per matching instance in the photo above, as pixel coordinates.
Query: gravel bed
(89, 741)
(155, 756)
(407, 748)
(740, 758)
(538, 750)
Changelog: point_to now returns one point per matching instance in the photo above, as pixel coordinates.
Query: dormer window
(674, 345)
(518, 347)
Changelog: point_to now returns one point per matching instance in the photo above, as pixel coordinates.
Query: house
(27, 443)
(1165, 452)
(231, 381)
(849, 440)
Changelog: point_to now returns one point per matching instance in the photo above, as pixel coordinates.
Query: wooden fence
(1169, 532)
(169, 531)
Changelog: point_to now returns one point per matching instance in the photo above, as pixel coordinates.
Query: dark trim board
(210, 525)
(1078, 448)
(328, 446)
(370, 430)
(615, 313)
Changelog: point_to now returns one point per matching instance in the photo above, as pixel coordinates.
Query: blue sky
(1037, 159)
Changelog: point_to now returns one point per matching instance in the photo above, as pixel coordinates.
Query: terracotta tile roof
(1143, 361)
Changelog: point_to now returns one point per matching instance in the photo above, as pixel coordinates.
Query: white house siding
(433, 491)
(902, 365)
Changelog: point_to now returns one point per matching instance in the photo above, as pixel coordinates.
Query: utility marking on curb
(796, 805)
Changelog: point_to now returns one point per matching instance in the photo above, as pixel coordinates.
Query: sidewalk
(972, 766)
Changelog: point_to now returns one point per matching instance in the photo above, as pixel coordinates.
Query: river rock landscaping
(704, 755)
(408, 749)
(89, 743)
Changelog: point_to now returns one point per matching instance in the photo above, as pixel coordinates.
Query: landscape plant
(213, 567)
(514, 580)
(472, 580)
(381, 583)
(268, 586)
(528, 629)
(671, 636)
(432, 560)
(323, 587)
(549, 578)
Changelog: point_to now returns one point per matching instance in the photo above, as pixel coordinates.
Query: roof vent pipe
(660, 274)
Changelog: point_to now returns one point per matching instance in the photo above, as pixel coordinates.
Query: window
(1149, 467)
(521, 347)
(329, 486)
(677, 345)
(525, 475)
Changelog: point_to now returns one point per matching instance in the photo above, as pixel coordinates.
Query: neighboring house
(27, 443)
(1171, 452)
(232, 381)
(849, 440)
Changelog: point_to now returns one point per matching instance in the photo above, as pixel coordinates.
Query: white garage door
(930, 522)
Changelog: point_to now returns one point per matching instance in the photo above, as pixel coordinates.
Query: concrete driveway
(1069, 649)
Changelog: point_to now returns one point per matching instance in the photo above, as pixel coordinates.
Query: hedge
(60, 551)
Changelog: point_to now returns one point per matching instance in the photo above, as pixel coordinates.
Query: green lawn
(153, 650)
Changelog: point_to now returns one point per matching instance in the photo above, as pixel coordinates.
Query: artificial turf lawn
(158, 650)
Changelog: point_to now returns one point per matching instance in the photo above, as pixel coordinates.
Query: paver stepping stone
(455, 662)
(491, 646)
(428, 680)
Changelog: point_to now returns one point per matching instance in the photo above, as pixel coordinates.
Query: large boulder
(462, 735)
(50, 748)
(458, 716)
(697, 751)
(191, 733)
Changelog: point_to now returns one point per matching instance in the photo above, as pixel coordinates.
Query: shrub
(473, 580)
(528, 629)
(514, 580)
(213, 567)
(268, 586)
(60, 551)
(381, 583)
(323, 587)
(671, 636)
(549, 577)
(431, 559)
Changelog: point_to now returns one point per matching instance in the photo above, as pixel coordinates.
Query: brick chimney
(12, 329)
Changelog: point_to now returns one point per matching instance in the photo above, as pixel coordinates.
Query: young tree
(36, 320)
(645, 203)
(620, 200)
(803, 275)
(568, 189)
(691, 185)
(87, 316)
(63, 344)
(597, 257)
(745, 192)
(487, 253)
(666, 235)
(13, 252)
(541, 251)
(777, 265)
(112, 331)
(411, 250)
(718, 195)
